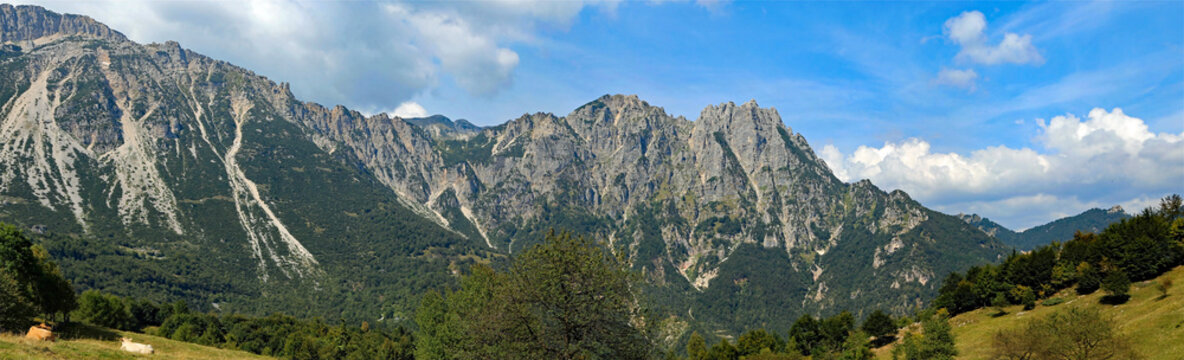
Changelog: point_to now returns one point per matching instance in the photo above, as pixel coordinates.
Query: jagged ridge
(165, 146)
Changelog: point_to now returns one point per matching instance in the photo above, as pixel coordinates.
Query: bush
(1072, 333)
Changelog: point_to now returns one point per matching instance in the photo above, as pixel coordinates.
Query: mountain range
(154, 171)
(1092, 220)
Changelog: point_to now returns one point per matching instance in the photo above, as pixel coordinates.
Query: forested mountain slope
(1091, 221)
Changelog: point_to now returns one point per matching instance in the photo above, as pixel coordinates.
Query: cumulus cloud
(963, 79)
(368, 55)
(1105, 159)
(968, 31)
(410, 109)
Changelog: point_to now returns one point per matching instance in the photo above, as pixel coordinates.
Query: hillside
(1091, 221)
(1155, 325)
(106, 346)
(153, 165)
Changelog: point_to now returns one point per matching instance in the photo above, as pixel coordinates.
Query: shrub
(1072, 333)
(1164, 285)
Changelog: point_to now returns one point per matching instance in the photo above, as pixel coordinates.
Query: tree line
(835, 337)
(1134, 249)
(32, 286)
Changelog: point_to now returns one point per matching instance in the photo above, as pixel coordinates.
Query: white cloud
(410, 109)
(963, 79)
(1108, 158)
(368, 55)
(968, 31)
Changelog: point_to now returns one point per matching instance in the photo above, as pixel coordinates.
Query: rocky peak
(1115, 209)
(171, 53)
(442, 126)
(27, 23)
(745, 117)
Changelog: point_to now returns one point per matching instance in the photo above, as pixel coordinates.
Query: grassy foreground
(95, 343)
(1155, 325)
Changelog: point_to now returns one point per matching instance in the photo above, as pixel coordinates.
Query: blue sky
(984, 107)
(854, 73)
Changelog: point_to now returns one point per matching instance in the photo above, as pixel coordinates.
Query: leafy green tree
(936, 341)
(835, 329)
(15, 310)
(696, 347)
(1000, 303)
(881, 326)
(54, 295)
(805, 333)
(793, 355)
(856, 347)
(38, 279)
(104, 310)
(17, 257)
(723, 350)
(1073, 333)
(430, 316)
(1089, 279)
(570, 298)
(1028, 342)
(1024, 295)
(1117, 286)
(753, 341)
(565, 298)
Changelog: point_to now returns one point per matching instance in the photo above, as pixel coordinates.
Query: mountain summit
(183, 166)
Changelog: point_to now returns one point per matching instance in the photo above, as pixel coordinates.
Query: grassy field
(95, 343)
(1155, 325)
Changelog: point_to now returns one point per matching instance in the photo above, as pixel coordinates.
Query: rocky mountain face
(1092, 221)
(192, 166)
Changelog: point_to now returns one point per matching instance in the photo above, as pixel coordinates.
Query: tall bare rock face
(156, 171)
(191, 166)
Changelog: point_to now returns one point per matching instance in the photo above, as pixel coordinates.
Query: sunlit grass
(1155, 324)
(89, 345)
